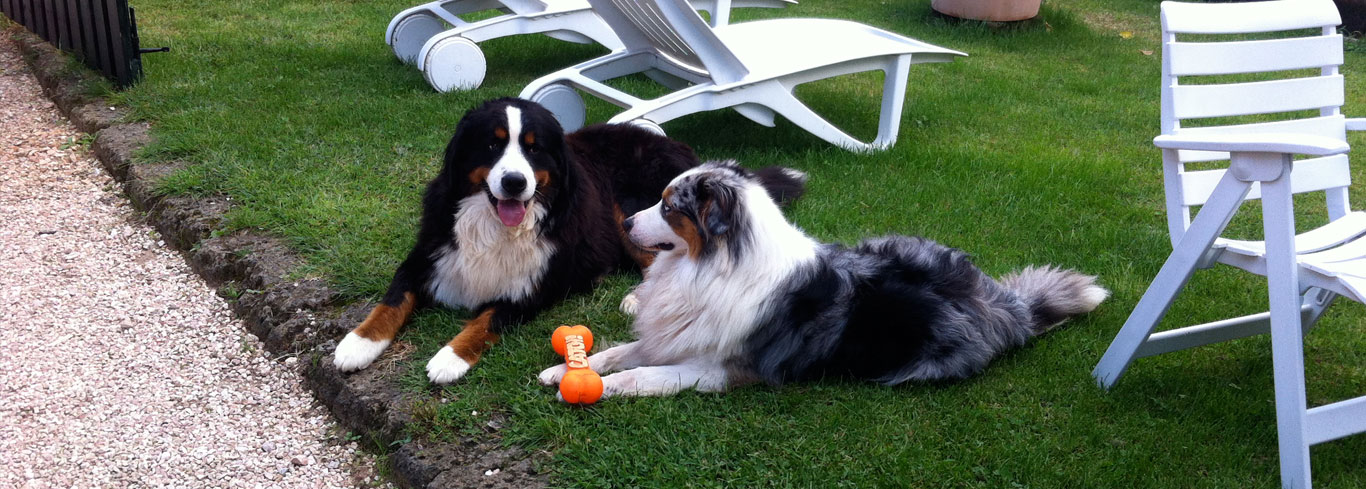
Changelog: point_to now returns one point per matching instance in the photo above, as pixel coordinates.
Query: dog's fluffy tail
(1054, 294)
(784, 185)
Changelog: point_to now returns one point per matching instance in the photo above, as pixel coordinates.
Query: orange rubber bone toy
(580, 385)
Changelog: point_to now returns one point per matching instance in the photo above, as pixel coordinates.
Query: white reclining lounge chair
(443, 45)
(1283, 152)
(751, 67)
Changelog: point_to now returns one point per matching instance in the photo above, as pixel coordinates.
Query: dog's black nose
(514, 184)
(627, 224)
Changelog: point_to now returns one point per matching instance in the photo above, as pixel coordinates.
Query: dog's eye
(493, 146)
(533, 149)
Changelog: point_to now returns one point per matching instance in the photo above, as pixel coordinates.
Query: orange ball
(581, 386)
(557, 338)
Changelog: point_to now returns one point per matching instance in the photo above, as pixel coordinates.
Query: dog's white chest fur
(707, 309)
(490, 261)
(691, 312)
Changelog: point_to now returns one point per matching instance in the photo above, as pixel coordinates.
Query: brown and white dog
(520, 217)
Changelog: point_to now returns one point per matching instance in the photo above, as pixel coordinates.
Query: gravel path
(118, 366)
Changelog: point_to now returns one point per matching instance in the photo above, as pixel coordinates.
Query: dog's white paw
(620, 383)
(552, 375)
(355, 352)
(446, 367)
(630, 304)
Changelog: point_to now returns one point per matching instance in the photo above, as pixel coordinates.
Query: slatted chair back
(1216, 68)
(671, 29)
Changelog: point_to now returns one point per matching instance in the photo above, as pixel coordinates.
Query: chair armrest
(1276, 142)
(1356, 124)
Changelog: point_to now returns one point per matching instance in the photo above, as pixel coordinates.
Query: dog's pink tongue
(511, 212)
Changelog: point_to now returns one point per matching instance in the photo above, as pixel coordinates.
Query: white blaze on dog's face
(511, 180)
(650, 228)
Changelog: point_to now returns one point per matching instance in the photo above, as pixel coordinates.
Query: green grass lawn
(1035, 149)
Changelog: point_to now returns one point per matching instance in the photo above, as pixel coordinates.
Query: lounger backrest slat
(672, 29)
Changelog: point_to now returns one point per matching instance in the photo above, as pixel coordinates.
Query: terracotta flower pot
(990, 10)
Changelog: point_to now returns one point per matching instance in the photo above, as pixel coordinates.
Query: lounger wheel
(454, 63)
(648, 125)
(565, 103)
(412, 32)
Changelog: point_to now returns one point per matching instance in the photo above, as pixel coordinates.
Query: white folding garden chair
(1290, 86)
(751, 67)
(443, 45)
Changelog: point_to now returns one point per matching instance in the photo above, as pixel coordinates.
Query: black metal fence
(102, 33)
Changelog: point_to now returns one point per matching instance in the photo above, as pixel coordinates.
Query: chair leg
(1287, 337)
(1143, 320)
(1316, 301)
(893, 100)
(794, 110)
(1313, 303)
(1177, 270)
(895, 70)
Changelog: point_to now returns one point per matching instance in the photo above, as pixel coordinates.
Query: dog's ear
(718, 211)
(558, 147)
(556, 144)
(458, 150)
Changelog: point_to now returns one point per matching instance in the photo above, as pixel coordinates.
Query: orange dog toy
(580, 385)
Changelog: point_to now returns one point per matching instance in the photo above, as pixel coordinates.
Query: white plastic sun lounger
(444, 46)
(751, 67)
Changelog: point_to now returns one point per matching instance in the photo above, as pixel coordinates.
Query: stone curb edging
(290, 316)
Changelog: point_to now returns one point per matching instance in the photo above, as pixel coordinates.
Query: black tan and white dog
(519, 217)
(739, 295)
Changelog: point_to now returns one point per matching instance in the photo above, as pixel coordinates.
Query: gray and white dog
(737, 295)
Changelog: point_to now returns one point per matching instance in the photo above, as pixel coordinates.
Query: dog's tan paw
(630, 304)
